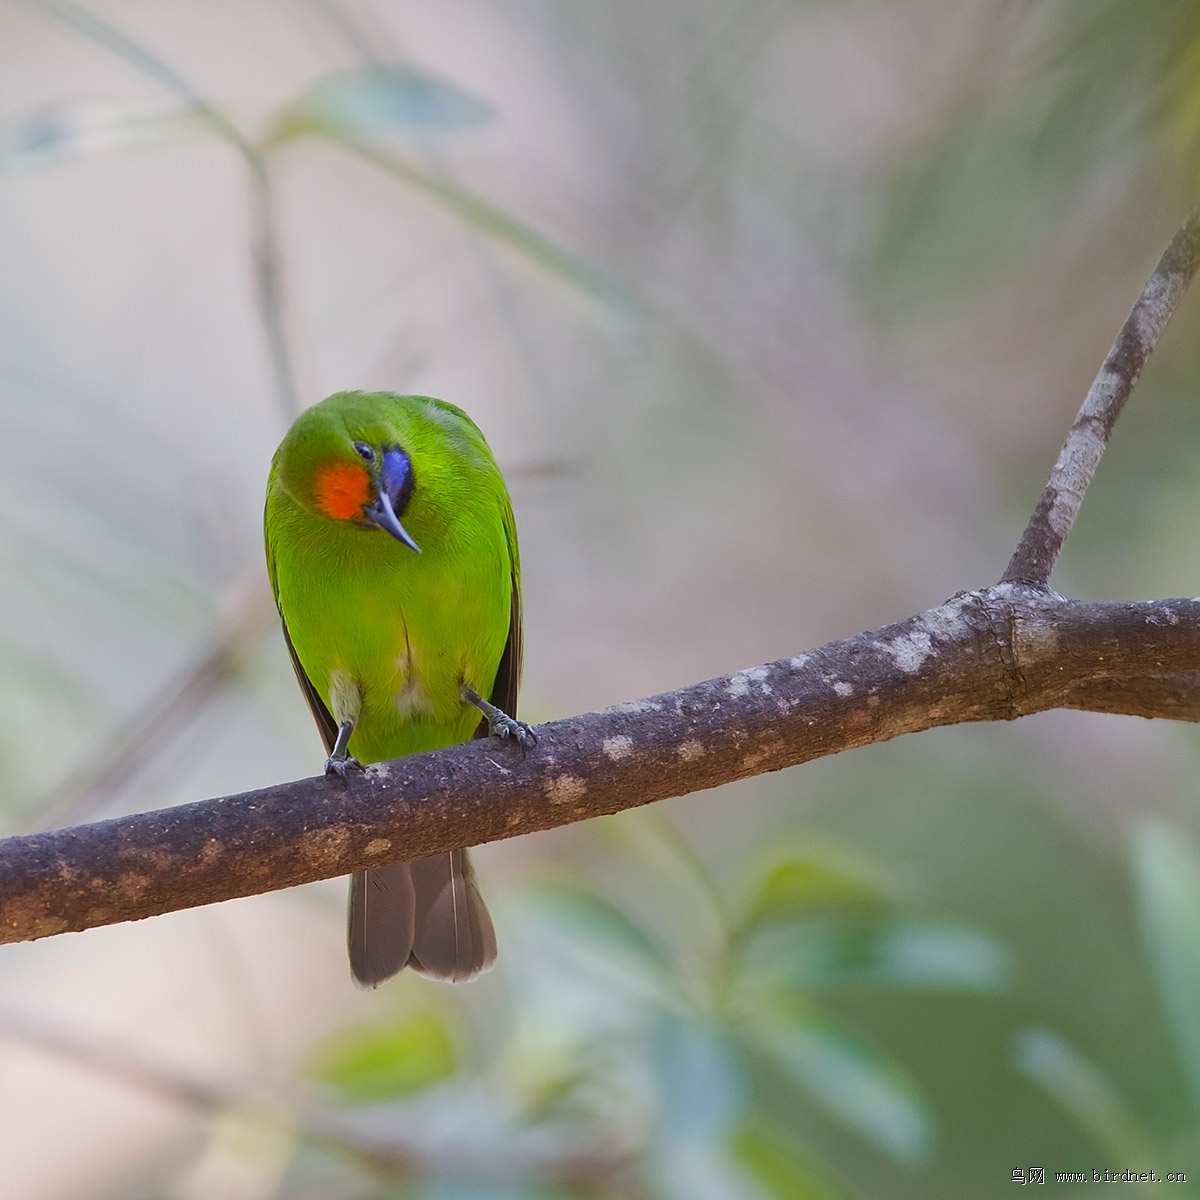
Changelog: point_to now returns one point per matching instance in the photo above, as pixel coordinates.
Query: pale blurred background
(775, 315)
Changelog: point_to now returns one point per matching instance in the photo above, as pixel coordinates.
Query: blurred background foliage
(776, 314)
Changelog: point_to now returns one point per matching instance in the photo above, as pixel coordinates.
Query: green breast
(395, 633)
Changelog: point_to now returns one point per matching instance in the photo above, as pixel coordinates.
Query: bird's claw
(339, 766)
(500, 724)
(503, 726)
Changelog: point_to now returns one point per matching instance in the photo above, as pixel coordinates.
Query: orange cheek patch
(341, 490)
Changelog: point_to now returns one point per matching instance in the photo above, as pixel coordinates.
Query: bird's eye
(364, 451)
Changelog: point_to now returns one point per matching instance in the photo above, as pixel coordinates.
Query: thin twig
(1043, 539)
(268, 279)
(590, 1161)
(265, 247)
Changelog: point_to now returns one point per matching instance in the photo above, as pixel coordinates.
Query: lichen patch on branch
(634, 708)
(617, 747)
(565, 789)
(741, 683)
(910, 651)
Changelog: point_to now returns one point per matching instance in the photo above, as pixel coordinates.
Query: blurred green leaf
(1166, 876)
(701, 1172)
(382, 1062)
(376, 98)
(687, 904)
(700, 1079)
(459, 1189)
(1132, 66)
(777, 1165)
(486, 218)
(825, 954)
(1086, 1093)
(928, 955)
(589, 918)
(1186, 99)
(812, 883)
(701, 1100)
(866, 1091)
(63, 131)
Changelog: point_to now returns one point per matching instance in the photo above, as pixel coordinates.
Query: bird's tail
(426, 914)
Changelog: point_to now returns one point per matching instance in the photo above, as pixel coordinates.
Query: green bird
(392, 553)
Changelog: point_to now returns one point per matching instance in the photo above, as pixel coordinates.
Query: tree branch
(1174, 697)
(1043, 539)
(994, 654)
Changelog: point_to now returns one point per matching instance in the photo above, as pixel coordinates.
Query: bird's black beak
(382, 515)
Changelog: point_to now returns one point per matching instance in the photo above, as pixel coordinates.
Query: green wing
(323, 717)
(508, 674)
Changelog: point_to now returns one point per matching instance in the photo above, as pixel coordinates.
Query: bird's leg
(500, 724)
(339, 761)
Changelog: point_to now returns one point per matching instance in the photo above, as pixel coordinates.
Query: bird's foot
(501, 725)
(339, 764)
(339, 760)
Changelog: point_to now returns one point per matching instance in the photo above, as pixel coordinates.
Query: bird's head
(348, 471)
